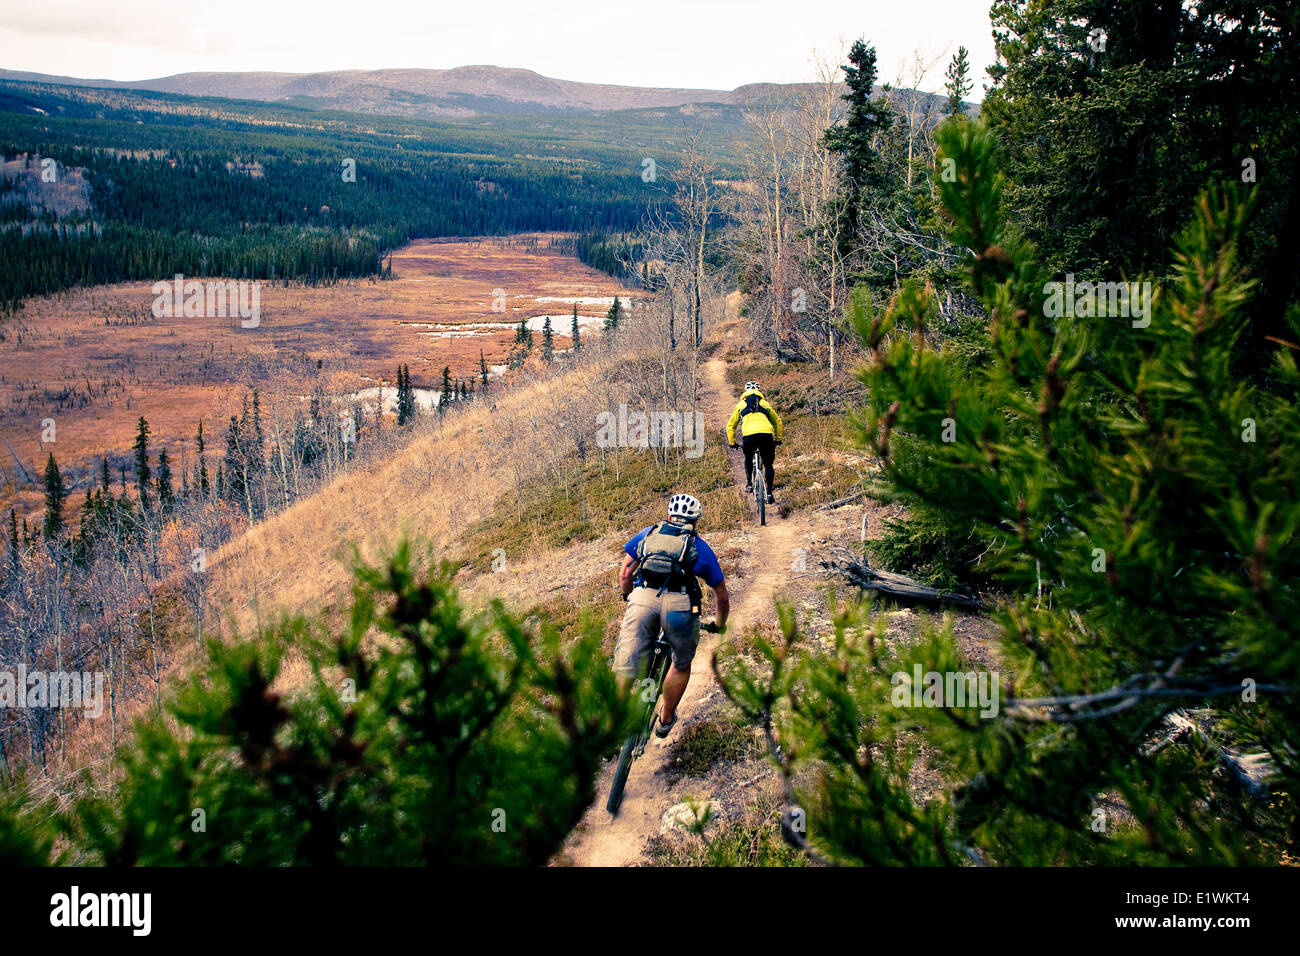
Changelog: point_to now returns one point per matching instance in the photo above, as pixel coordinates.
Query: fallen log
(899, 587)
(841, 502)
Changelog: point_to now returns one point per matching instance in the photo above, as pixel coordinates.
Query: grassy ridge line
(627, 132)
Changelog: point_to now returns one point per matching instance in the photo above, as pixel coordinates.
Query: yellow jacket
(755, 423)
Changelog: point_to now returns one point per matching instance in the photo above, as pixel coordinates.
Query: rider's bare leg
(674, 686)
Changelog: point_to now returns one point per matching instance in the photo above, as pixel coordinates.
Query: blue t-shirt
(706, 562)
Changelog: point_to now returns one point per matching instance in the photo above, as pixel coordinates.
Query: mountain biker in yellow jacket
(760, 430)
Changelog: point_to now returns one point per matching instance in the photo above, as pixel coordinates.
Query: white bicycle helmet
(685, 506)
(754, 386)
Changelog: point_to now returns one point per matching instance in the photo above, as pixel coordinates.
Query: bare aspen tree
(918, 110)
(820, 204)
(694, 200)
(771, 125)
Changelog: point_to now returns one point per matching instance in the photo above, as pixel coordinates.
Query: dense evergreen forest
(216, 187)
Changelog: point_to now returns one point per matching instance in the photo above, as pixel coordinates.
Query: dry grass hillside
(517, 473)
(447, 478)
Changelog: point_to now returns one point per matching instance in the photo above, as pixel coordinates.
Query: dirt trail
(604, 841)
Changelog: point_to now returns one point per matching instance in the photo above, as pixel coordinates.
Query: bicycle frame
(650, 688)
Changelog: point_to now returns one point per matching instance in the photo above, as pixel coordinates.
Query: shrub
(447, 739)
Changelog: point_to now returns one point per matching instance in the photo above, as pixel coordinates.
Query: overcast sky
(711, 44)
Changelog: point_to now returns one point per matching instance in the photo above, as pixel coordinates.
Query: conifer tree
(854, 142)
(55, 495)
(574, 332)
(403, 387)
(203, 465)
(444, 396)
(166, 494)
(457, 717)
(958, 83)
(548, 341)
(143, 475)
(13, 540)
(234, 482)
(613, 316)
(259, 438)
(1115, 115)
(482, 368)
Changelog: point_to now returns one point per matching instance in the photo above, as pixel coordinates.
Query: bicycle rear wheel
(760, 489)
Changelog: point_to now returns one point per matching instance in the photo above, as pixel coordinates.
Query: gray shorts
(646, 613)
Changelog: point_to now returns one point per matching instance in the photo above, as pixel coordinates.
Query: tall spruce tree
(259, 437)
(445, 394)
(614, 316)
(143, 474)
(548, 341)
(400, 405)
(575, 333)
(404, 402)
(166, 493)
(55, 494)
(957, 81)
(855, 140)
(203, 465)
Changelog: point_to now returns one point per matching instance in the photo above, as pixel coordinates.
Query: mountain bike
(649, 688)
(760, 488)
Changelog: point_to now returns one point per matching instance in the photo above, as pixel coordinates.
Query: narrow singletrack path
(602, 840)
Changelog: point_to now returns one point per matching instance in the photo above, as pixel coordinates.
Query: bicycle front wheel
(620, 776)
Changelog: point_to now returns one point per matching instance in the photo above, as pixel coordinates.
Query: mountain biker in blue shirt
(658, 581)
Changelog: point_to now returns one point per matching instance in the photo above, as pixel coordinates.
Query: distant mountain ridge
(461, 91)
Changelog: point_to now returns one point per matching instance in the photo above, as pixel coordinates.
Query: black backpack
(666, 557)
(754, 406)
